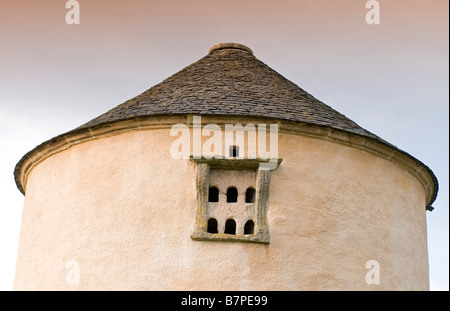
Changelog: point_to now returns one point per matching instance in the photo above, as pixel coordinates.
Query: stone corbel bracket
(263, 169)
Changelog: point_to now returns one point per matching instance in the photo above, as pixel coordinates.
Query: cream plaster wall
(124, 210)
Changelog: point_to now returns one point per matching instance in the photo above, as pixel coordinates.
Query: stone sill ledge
(224, 237)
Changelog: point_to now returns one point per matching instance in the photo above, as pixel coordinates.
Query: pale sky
(391, 78)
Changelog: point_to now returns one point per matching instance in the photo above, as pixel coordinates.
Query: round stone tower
(225, 176)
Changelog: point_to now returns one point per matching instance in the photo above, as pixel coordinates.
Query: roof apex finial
(236, 46)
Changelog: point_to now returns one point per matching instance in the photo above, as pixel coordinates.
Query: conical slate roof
(231, 81)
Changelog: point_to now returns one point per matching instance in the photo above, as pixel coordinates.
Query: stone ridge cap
(223, 46)
(19, 166)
